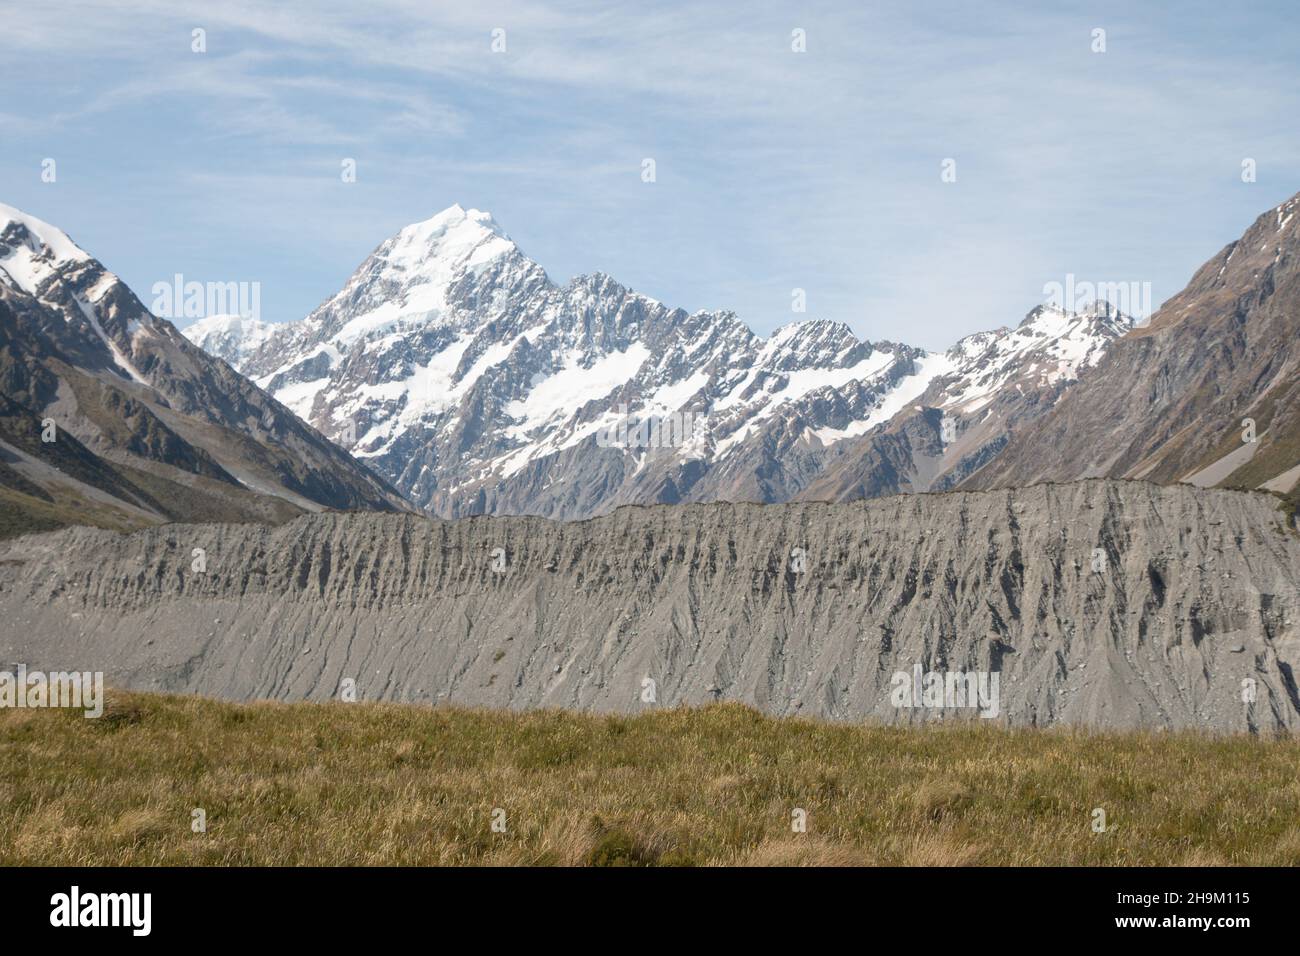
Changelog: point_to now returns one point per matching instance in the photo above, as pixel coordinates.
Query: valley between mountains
(408, 490)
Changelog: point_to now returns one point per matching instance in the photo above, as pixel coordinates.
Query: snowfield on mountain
(458, 370)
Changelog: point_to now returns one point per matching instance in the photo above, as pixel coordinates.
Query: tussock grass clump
(720, 785)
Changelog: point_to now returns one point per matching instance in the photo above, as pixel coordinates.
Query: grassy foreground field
(393, 784)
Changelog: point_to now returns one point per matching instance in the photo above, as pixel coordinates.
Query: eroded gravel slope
(1200, 592)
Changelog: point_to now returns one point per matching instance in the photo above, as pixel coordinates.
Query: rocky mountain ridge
(454, 366)
(1208, 393)
(109, 415)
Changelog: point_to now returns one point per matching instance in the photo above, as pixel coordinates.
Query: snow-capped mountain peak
(1050, 346)
(455, 237)
(40, 260)
(455, 367)
(81, 349)
(231, 338)
(1050, 315)
(419, 276)
(32, 250)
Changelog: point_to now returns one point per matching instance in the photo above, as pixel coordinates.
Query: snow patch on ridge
(934, 365)
(573, 386)
(28, 264)
(119, 357)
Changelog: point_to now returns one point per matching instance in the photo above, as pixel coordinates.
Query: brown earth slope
(1170, 402)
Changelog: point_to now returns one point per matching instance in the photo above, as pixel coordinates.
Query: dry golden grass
(393, 784)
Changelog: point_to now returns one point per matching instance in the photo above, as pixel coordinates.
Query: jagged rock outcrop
(1114, 604)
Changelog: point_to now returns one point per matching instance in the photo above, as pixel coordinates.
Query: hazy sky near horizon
(775, 169)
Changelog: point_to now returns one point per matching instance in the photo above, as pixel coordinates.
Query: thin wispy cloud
(775, 169)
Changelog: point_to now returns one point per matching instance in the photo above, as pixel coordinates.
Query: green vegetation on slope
(399, 784)
(27, 514)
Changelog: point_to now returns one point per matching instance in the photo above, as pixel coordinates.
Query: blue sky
(775, 170)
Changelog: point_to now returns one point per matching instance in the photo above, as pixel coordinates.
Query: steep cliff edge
(1108, 603)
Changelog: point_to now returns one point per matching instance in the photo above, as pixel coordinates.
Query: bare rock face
(986, 388)
(1104, 603)
(108, 415)
(1208, 393)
